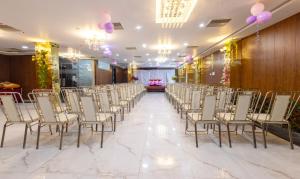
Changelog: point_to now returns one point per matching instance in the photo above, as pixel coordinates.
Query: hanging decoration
(259, 16)
(230, 53)
(106, 24)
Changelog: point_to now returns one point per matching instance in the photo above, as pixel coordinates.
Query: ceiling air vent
(192, 46)
(118, 26)
(130, 48)
(137, 56)
(8, 28)
(218, 22)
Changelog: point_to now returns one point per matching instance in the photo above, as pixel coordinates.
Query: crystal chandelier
(72, 54)
(94, 43)
(173, 13)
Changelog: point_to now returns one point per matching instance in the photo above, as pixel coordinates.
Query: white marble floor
(150, 143)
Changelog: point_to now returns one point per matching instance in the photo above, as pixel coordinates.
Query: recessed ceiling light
(24, 47)
(125, 60)
(144, 45)
(178, 54)
(201, 25)
(117, 55)
(147, 54)
(185, 44)
(138, 27)
(149, 59)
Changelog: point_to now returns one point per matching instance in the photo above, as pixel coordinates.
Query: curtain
(165, 75)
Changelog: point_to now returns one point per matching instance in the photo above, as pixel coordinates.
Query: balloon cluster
(259, 16)
(106, 23)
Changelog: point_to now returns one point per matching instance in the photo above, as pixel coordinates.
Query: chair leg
(115, 122)
(229, 138)
(236, 129)
(123, 114)
(3, 135)
(96, 127)
(253, 133)
(196, 135)
(38, 136)
(264, 135)
(186, 125)
(61, 136)
(220, 141)
(50, 129)
(291, 135)
(102, 132)
(67, 124)
(25, 136)
(78, 139)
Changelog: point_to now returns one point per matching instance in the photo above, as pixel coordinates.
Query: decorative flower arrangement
(41, 58)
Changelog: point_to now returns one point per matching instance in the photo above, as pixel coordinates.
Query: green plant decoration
(41, 58)
(231, 49)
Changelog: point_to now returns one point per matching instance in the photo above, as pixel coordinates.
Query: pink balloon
(264, 17)
(251, 19)
(101, 26)
(105, 17)
(257, 8)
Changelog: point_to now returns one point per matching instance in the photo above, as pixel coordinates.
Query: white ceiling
(59, 20)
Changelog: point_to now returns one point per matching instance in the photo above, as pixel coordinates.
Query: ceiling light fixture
(138, 27)
(185, 44)
(144, 45)
(117, 55)
(164, 47)
(201, 25)
(95, 38)
(24, 47)
(147, 54)
(173, 13)
(72, 54)
(125, 60)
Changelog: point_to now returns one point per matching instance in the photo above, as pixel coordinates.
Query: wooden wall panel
(4, 68)
(212, 63)
(270, 61)
(23, 72)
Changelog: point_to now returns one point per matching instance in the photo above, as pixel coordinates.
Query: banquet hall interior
(149, 89)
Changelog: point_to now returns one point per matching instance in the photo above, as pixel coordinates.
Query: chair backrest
(72, 101)
(280, 107)
(222, 100)
(88, 108)
(242, 107)
(114, 97)
(196, 100)
(46, 108)
(10, 109)
(209, 106)
(104, 102)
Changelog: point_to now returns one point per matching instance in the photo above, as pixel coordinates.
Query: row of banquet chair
(217, 106)
(86, 106)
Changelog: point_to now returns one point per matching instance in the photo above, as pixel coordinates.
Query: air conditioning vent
(8, 28)
(192, 46)
(137, 56)
(118, 26)
(218, 22)
(130, 48)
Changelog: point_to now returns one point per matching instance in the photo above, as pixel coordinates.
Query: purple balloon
(264, 17)
(109, 27)
(251, 19)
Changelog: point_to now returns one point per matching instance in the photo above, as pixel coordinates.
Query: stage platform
(155, 88)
